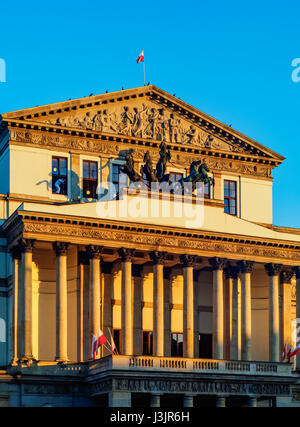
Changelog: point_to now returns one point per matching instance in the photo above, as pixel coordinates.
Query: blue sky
(230, 59)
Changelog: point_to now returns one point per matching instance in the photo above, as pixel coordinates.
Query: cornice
(81, 230)
(53, 137)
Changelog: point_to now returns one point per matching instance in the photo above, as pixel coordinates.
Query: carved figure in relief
(126, 122)
(189, 136)
(174, 129)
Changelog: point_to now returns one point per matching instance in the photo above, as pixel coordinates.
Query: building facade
(199, 297)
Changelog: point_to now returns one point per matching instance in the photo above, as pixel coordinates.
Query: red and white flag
(94, 350)
(141, 57)
(101, 338)
(289, 355)
(284, 352)
(295, 351)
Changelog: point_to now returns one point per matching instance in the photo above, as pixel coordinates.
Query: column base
(27, 361)
(61, 361)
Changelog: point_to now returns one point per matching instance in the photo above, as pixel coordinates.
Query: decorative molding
(27, 245)
(188, 260)
(60, 248)
(217, 263)
(286, 276)
(126, 254)
(273, 269)
(158, 257)
(245, 266)
(148, 237)
(108, 145)
(94, 251)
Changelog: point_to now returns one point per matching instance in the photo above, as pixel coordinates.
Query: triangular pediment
(146, 113)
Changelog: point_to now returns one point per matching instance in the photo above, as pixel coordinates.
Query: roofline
(144, 90)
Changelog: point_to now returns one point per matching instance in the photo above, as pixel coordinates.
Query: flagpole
(144, 69)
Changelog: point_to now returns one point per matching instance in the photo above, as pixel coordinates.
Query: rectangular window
(147, 343)
(60, 175)
(205, 346)
(175, 176)
(176, 345)
(117, 339)
(230, 197)
(90, 179)
(119, 179)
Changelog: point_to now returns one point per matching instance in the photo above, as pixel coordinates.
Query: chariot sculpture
(198, 171)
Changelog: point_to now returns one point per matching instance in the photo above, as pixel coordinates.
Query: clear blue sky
(230, 59)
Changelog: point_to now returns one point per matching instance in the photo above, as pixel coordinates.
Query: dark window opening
(119, 179)
(147, 343)
(59, 175)
(176, 345)
(117, 339)
(205, 346)
(90, 179)
(230, 197)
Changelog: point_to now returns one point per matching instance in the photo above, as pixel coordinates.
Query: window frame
(89, 181)
(177, 344)
(117, 184)
(149, 343)
(59, 175)
(229, 198)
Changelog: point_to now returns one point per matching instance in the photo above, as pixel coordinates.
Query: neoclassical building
(199, 296)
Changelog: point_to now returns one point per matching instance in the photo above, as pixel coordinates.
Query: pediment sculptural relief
(145, 121)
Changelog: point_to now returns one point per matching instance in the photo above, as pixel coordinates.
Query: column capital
(158, 257)
(94, 251)
(188, 260)
(15, 251)
(27, 245)
(231, 272)
(126, 254)
(60, 248)
(286, 276)
(273, 269)
(296, 270)
(217, 263)
(245, 266)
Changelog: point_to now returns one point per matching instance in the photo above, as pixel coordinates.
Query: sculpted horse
(197, 174)
(128, 168)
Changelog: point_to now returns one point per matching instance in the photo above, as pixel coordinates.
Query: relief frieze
(175, 242)
(111, 148)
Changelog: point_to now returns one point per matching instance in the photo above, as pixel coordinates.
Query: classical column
(218, 265)
(273, 271)
(126, 303)
(220, 402)
(232, 317)
(297, 272)
(285, 317)
(61, 249)
(15, 332)
(158, 302)
(94, 254)
(246, 268)
(188, 262)
(26, 248)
